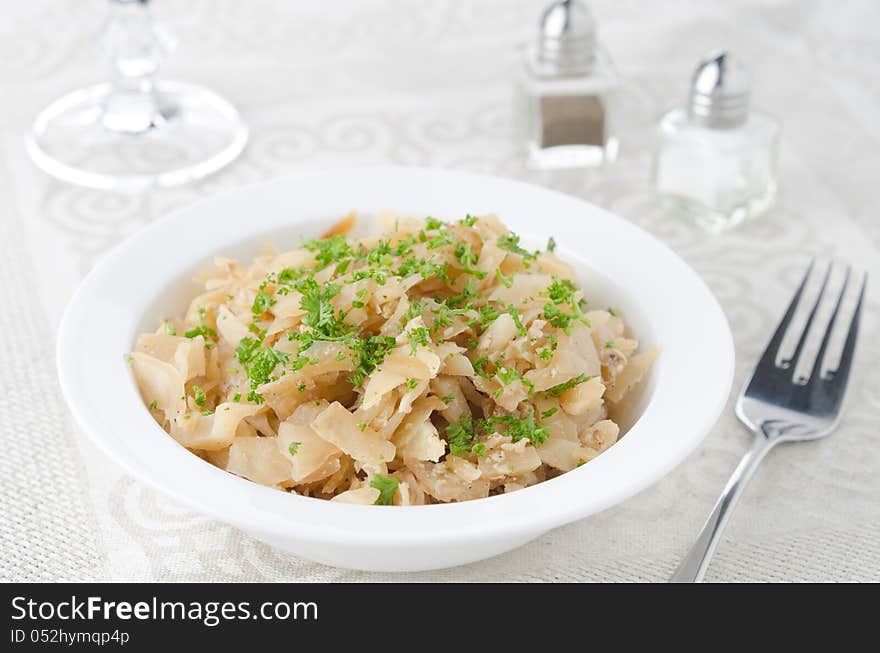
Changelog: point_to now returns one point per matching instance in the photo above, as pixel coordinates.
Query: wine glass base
(191, 133)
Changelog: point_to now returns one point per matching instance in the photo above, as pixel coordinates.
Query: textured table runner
(429, 83)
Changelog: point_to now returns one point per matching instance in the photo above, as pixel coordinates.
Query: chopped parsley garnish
(440, 240)
(550, 412)
(480, 367)
(198, 395)
(263, 364)
(293, 447)
(467, 258)
(321, 315)
(507, 282)
(262, 302)
(551, 244)
(461, 435)
(411, 384)
(511, 310)
(507, 375)
(418, 336)
(446, 399)
(153, 405)
(330, 250)
(469, 291)
(246, 348)
(562, 293)
(510, 242)
(368, 355)
(609, 344)
(170, 330)
(201, 330)
(557, 390)
(466, 435)
(288, 276)
(415, 309)
(469, 220)
(525, 427)
(612, 312)
(387, 486)
(434, 223)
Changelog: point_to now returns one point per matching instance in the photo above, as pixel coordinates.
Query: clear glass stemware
(136, 132)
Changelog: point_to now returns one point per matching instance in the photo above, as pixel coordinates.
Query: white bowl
(148, 277)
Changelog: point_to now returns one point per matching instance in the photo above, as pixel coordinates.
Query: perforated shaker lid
(719, 92)
(567, 38)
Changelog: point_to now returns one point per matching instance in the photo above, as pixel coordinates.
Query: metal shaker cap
(567, 39)
(719, 93)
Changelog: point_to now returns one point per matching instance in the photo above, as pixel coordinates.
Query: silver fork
(776, 407)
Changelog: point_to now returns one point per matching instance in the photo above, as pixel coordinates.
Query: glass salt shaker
(567, 86)
(716, 159)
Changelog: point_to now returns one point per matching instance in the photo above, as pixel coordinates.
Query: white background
(429, 83)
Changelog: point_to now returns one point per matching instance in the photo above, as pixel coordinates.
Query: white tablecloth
(428, 83)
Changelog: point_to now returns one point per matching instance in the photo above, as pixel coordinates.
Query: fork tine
(793, 359)
(768, 358)
(817, 365)
(842, 372)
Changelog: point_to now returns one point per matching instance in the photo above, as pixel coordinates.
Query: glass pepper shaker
(716, 160)
(567, 87)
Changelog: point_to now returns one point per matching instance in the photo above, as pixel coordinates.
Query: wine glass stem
(135, 51)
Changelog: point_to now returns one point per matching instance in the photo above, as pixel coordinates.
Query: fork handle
(693, 567)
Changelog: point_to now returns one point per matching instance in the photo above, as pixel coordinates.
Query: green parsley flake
(262, 302)
(510, 242)
(517, 321)
(480, 367)
(198, 395)
(557, 390)
(293, 447)
(246, 348)
(467, 258)
(387, 486)
(368, 355)
(507, 282)
(551, 244)
(320, 313)
(414, 310)
(461, 435)
(202, 330)
(330, 250)
(417, 337)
